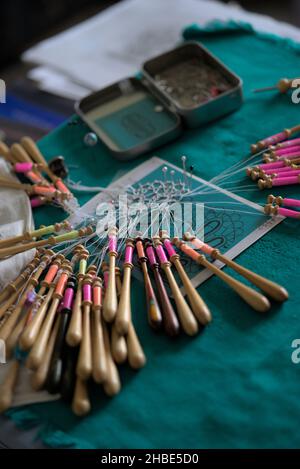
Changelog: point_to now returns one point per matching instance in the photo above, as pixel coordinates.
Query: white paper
(114, 44)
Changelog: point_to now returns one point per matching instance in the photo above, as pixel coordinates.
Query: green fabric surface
(234, 385)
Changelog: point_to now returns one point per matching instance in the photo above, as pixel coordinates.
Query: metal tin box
(186, 86)
(198, 114)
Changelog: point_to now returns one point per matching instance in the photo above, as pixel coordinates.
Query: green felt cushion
(234, 386)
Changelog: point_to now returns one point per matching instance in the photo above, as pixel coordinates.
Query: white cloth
(114, 44)
(15, 218)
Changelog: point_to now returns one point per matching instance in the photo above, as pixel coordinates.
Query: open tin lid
(129, 119)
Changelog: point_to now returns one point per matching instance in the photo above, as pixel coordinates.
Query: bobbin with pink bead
(198, 306)
(286, 171)
(281, 153)
(170, 321)
(268, 183)
(255, 171)
(270, 209)
(274, 139)
(283, 201)
(288, 143)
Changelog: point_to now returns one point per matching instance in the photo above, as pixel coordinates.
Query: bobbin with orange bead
(154, 313)
(255, 299)
(272, 289)
(198, 306)
(36, 354)
(34, 321)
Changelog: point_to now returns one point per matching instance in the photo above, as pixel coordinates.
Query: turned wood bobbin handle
(32, 329)
(110, 305)
(39, 377)
(8, 386)
(112, 385)
(84, 365)
(272, 289)
(81, 404)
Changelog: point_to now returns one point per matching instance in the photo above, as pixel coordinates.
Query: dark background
(24, 22)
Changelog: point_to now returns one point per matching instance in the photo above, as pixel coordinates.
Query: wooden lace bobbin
(136, 356)
(14, 286)
(38, 350)
(118, 281)
(22, 156)
(110, 305)
(268, 183)
(118, 341)
(74, 333)
(112, 384)
(127, 346)
(54, 377)
(11, 292)
(272, 289)
(198, 306)
(32, 149)
(51, 241)
(39, 376)
(34, 189)
(105, 271)
(85, 364)
(99, 360)
(283, 85)
(6, 154)
(284, 212)
(185, 314)
(286, 144)
(154, 313)
(7, 328)
(124, 309)
(277, 138)
(253, 298)
(31, 235)
(170, 321)
(283, 201)
(35, 322)
(69, 377)
(81, 403)
(8, 303)
(8, 386)
(13, 338)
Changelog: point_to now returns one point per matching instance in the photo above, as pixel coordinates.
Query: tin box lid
(129, 118)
